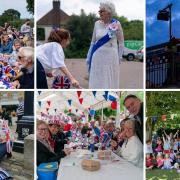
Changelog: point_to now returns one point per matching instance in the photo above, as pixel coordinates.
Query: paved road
(131, 73)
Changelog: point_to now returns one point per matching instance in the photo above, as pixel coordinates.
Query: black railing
(158, 70)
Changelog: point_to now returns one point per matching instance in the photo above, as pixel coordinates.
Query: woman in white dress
(104, 56)
(51, 56)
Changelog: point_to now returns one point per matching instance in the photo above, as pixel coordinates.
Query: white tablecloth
(70, 168)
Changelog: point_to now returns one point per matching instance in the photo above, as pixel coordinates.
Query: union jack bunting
(61, 82)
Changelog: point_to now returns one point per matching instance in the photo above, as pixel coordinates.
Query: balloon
(114, 105)
(92, 112)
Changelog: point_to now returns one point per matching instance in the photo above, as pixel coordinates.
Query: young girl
(149, 147)
(6, 45)
(167, 162)
(149, 161)
(159, 147)
(159, 160)
(51, 58)
(166, 146)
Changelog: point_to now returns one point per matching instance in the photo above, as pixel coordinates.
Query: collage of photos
(89, 89)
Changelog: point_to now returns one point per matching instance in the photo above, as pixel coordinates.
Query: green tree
(10, 16)
(30, 6)
(162, 103)
(81, 28)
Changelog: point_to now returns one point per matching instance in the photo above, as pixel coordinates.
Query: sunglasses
(101, 11)
(20, 57)
(43, 129)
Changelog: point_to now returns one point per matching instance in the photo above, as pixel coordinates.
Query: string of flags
(106, 95)
(163, 117)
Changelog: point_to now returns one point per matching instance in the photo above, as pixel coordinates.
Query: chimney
(56, 4)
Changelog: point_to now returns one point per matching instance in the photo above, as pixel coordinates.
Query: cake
(90, 165)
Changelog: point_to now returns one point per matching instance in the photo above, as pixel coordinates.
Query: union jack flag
(61, 82)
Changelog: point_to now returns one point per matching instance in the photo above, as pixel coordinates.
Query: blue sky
(19, 5)
(158, 31)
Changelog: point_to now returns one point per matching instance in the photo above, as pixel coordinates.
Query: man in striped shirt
(20, 110)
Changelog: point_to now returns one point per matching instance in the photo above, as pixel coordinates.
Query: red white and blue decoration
(61, 82)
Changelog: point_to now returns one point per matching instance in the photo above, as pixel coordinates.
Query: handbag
(47, 171)
(61, 82)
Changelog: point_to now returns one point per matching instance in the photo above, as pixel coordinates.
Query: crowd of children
(163, 152)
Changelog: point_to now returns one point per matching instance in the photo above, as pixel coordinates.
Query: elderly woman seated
(132, 148)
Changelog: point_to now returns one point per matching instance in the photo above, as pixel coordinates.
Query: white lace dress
(104, 73)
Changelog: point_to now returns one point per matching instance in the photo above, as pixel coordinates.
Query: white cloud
(150, 1)
(132, 9)
(150, 19)
(176, 16)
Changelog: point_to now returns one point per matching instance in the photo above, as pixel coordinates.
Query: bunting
(80, 100)
(49, 103)
(94, 93)
(163, 117)
(69, 102)
(79, 93)
(106, 95)
(39, 102)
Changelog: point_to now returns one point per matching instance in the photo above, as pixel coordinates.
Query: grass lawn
(157, 174)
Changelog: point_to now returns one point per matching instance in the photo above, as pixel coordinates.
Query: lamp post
(165, 15)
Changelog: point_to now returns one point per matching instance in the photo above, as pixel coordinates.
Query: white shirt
(26, 29)
(132, 151)
(148, 148)
(51, 56)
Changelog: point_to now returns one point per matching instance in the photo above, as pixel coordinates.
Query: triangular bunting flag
(154, 119)
(106, 93)
(49, 103)
(39, 102)
(163, 117)
(47, 109)
(94, 93)
(80, 100)
(105, 97)
(69, 102)
(39, 92)
(172, 116)
(79, 93)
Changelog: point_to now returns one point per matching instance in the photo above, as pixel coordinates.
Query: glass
(20, 57)
(101, 11)
(43, 129)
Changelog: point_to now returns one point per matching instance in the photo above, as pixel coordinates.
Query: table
(70, 168)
